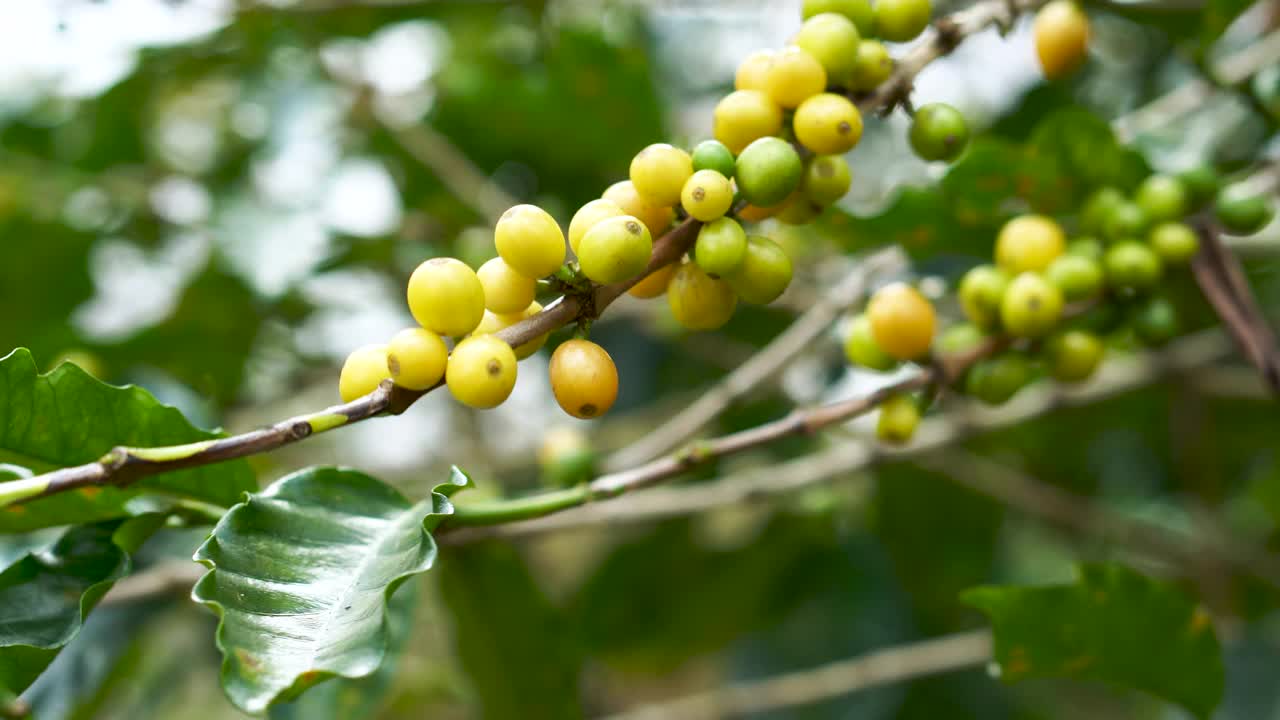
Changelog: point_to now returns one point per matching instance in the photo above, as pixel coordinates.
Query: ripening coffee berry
(707, 195)
(1073, 355)
(1097, 208)
(981, 292)
(752, 69)
(1126, 221)
(699, 301)
(1132, 266)
(364, 369)
(795, 75)
(655, 217)
(493, 322)
(1174, 242)
(899, 418)
(1162, 197)
(659, 173)
(583, 378)
(1086, 247)
(505, 290)
(590, 214)
(827, 124)
(1201, 184)
(768, 170)
(529, 239)
(901, 20)
(996, 380)
(1155, 321)
(832, 39)
(960, 339)
(446, 297)
(902, 321)
(1028, 243)
(1032, 306)
(799, 210)
(713, 155)
(744, 116)
(566, 458)
(481, 371)
(615, 249)
(871, 67)
(1076, 276)
(721, 247)
(1061, 33)
(1240, 213)
(416, 358)
(764, 274)
(859, 11)
(938, 132)
(826, 179)
(860, 347)
(653, 284)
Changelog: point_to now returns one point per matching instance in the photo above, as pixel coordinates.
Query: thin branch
(881, 667)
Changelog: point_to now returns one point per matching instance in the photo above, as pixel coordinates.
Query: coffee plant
(944, 396)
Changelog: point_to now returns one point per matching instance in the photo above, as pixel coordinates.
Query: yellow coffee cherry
(659, 173)
(699, 301)
(655, 217)
(828, 124)
(794, 76)
(616, 249)
(529, 239)
(416, 358)
(505, 290)
(902, 321)
(493, 322)
(1029, 243)
(751, 71)
(590, 214)
(583, 378)
(653, 284)
(745, 116)
(364, 369)
(481, 371)
(707, 195)
(899, 418)
(446, 297)
(1061, 32)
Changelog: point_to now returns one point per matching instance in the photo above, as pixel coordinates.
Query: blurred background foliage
(218, 199)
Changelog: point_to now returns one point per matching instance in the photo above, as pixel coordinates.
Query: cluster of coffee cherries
(1057, 299)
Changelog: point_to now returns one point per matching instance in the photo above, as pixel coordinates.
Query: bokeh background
(219, 199)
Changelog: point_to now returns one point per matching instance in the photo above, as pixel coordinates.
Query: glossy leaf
(68, 417)
(1112, 625)
(301, 574)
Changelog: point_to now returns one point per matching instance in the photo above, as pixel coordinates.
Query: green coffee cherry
(859, 11)
(1132, 266)
(860, 347)
(872, 66)
(1162, 197)
(768, 170)
(833, 40)
(721, 247)
(1073, 355)
(1077, 276)
(1242, 214)
(764, 274)
(1201, 184)
(1175, 243)
(1087, 247)
(960, 339)
(994, 381)
(1097, 209)
(1031, 307)
(1126, 221)
(713, 155)
(981, 292)
(826, 179)
(901, 20)
(1155, 321)
(938, 132)
(899, 418)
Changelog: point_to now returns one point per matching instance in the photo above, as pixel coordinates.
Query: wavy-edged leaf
(301, 574)
(68, 417)
(1112, 625)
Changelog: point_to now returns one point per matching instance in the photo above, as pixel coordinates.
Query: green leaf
(1112, 625)
(68, 417)
(1073, 151)
(301, 574)
(1218, 16)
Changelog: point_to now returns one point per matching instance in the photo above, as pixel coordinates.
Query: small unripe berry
(481, 371)
(1155, 321)
(446, 297)
(655, 217)
(713, 155)
(1132, 266)
(1097, 208)
(1242, 214)
(794, 76)
(653, 284)
(529, 239)
(859, 11)
(1086, 247)
(1028, 243)
(938, 132)
(745, 116)
(764, 274)
(994, 381)
(768, 171)
(1061, 33)
(860, 347)
(751, 71)
(981, 292)
(493, 322)
(799, 210)
(699, 301)
(902, 321)
(871, 67)
(1162, 198)
(902, 20)
(416, 358)
(1076, 276)
(832, 39)
(1126, 221)
(1201, 184)
(505, 290)
(1032, 306)
(721, 247)
(615, 249)
(362, 372)
(1073, 355)
(827, 124)
(707, 195)
(590, 214)
(659, 173)
(826, 179)
(583, 378)
(899, 418)
(1175, 243)
(565, 457)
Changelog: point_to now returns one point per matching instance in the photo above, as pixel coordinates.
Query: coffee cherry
(901, 20)
(529, 239)
(860, 347)
(583, 378)
(590, 214)
(1201, 184)
(827, 124)
(744, 116)
(659, 173)
(416, 358)
(1242, 214)
(566, 458)
(960, 339)
(902, 321)
(755, 213)
(1031, 306)
(653, 284)
(1076, 276)
(1174, 242)
(768, 170)
(871, 67)
(799, 210)
(826, 179)
(1097, 208)
(1155, 321)
(1028, 243)
(1061, 33)
(721, 247)
(981, 292)
(751, 71)
(446, 297)
(1126, 221)
(655, 217)
(493, 322)
(713, 155)
(615, 249)
(938, 132)
(832, 39)
(764, 274)
(505, 290)
(795, 75)
(859, 11)
(1162, 198)
(364, 369)
(1132, 266)
(899, 418)
(699, 301)
(996, 380)
(481, 371)
(707, 195)
(1086, 247)
(1073, 355)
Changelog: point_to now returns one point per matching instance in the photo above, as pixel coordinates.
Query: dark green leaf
(1112, 625)
(1073, 151)
(301, 574)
